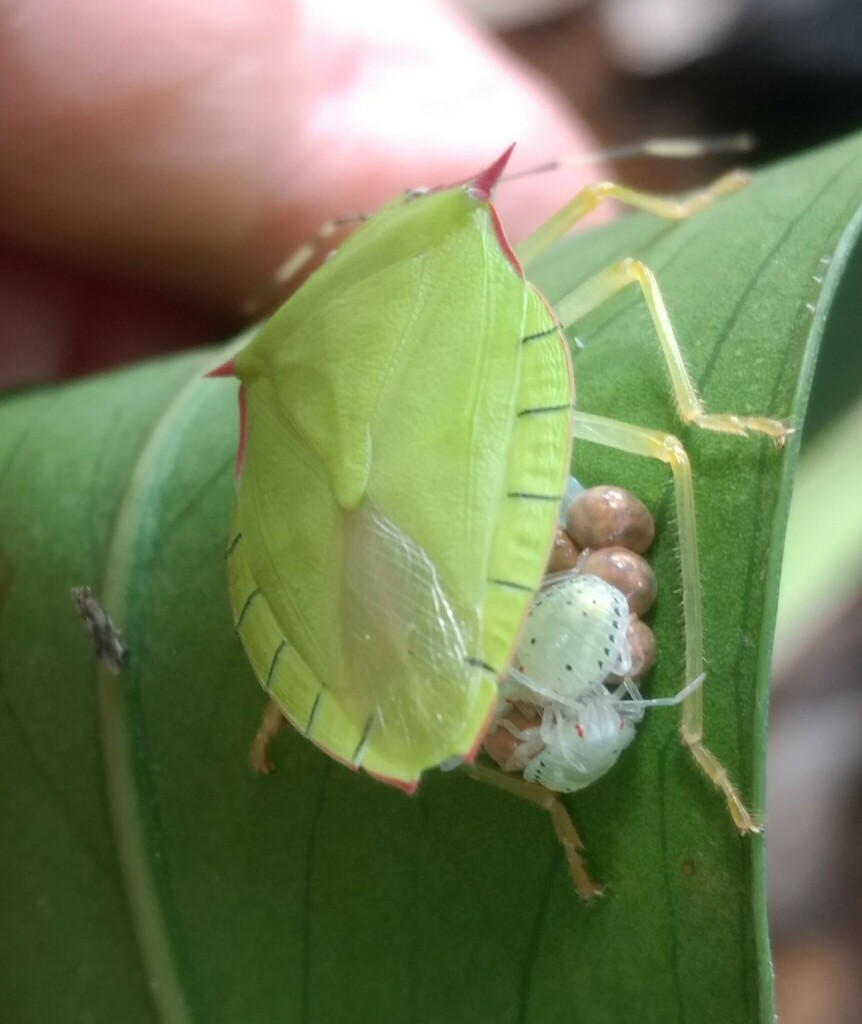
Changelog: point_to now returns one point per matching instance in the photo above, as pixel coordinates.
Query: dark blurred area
(790, 71)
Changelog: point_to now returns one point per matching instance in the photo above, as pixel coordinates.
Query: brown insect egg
(628, 572)
(604, 516)
(641, 643)
(642, 646)
(564, 552)
(500, 744)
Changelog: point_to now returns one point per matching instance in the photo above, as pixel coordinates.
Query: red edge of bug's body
(480, 187)
(468, 758)
(228, 369)
(503, 242)
(406, 787)
(243, 427)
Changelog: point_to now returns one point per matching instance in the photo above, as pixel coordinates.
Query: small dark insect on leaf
(104, 635)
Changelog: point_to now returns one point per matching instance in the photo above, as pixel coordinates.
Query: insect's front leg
(298, 260)
(593, 293)
(589, 197)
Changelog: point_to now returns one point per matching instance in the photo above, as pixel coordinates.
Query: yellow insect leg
(614, 278)
(599, 289)
(298, 260)
(666, 448)
(300, 257)
(589, 197)
(562, 822)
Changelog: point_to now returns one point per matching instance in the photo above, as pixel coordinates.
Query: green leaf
(150, 876)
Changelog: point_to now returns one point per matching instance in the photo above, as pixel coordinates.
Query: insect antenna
(662, 149)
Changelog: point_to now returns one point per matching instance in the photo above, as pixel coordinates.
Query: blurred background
(791, 72)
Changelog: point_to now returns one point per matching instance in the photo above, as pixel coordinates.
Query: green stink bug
(378, 629)
(406, 423)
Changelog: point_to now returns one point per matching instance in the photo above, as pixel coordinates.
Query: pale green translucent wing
(407, 447)
(309, 705)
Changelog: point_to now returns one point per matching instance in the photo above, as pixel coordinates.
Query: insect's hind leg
(608, 282)
(588, 198)
(666, 448)
(563, 824)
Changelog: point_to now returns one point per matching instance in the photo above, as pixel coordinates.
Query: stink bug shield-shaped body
(405, 442)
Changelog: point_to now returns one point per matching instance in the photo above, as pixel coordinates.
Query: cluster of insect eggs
(570, 702)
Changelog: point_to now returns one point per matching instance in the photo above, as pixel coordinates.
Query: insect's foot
(739, 813)
(781, 439)
(778, 430)
(725, 423)
(585, 887)
(589, 890)
(713, 769)
(743, 820)
(258, 757)
(733, 181)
